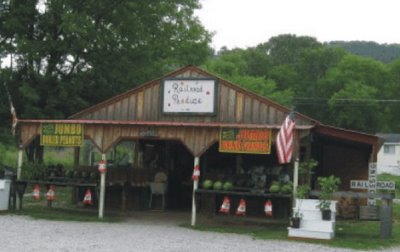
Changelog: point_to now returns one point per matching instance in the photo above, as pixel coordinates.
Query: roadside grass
(358, 235)
(271, 231)
(65, 214)
(361, 235)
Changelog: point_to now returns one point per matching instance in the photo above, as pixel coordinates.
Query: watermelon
(217, 185)
(207, 184)
(227, 186)
(286, 188)
(274, 188)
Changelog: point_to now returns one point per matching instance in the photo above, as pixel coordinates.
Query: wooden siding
(233, 105)
(196, 139)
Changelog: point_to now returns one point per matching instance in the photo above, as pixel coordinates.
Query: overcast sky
(246, 23)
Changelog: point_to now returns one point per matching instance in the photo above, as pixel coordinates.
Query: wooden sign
(255, 141)
(189, 96)
(372, 177)
(61, 134)
(381, 185)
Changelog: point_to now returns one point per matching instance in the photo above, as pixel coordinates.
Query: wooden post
(195, 187)
(386, 214)
(102, 189)
(19, 165)
(19, 196)
(296, 155)
(77, 151)
(295, 178)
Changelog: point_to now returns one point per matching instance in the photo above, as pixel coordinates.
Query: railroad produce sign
(254, 141)
(61, 134)
(188, 96)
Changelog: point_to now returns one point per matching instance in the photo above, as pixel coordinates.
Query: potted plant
(301, 194)
(328, 186)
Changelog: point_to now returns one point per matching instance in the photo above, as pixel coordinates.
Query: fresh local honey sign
(61, 134)
(255, 141)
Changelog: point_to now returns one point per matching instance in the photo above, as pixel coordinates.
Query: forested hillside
(382, 52)
(324, 82)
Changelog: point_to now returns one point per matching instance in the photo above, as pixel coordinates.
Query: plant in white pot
(328, 186)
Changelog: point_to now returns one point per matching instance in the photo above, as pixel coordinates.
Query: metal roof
(390, 138)
(164, 123)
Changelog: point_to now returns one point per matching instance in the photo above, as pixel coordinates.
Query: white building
(389, 154)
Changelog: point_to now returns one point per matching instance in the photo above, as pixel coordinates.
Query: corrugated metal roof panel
(164, 123)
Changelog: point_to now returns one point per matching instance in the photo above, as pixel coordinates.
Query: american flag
(284, 140)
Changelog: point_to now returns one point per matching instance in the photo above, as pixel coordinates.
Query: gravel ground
(18, 233)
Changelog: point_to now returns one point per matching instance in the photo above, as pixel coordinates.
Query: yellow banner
(61, 134)
(255, 141)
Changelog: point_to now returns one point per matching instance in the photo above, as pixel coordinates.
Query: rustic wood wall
(196, 139)
(234, 105)
(142, 104)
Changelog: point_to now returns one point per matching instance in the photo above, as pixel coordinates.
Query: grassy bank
(360, 235)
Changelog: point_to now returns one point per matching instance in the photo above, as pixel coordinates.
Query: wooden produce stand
(191, 119)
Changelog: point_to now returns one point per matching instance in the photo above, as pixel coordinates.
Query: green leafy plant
(303, 191)
(306, 170)
(328, 185)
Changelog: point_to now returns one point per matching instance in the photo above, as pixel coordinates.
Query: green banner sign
(61, 134)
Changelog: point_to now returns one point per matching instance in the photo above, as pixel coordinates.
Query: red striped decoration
(284, 141)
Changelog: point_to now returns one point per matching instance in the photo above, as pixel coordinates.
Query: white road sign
(381, 185)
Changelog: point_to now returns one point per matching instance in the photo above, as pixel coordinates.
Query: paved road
(18, 233)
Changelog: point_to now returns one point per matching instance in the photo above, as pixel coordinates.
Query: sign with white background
(189, 96)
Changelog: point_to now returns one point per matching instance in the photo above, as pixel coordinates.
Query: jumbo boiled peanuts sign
(61, 134)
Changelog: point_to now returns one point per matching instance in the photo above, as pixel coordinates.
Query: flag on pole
(13, 112)
(284, 140)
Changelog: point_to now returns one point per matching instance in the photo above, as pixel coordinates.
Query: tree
(71, 54)
(240, 67)
(285, 49)
(357, 80)
(65, 49)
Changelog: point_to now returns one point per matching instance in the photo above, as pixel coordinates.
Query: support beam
(195, 187)
(295, 178)
(19, 165)
(102, 189)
